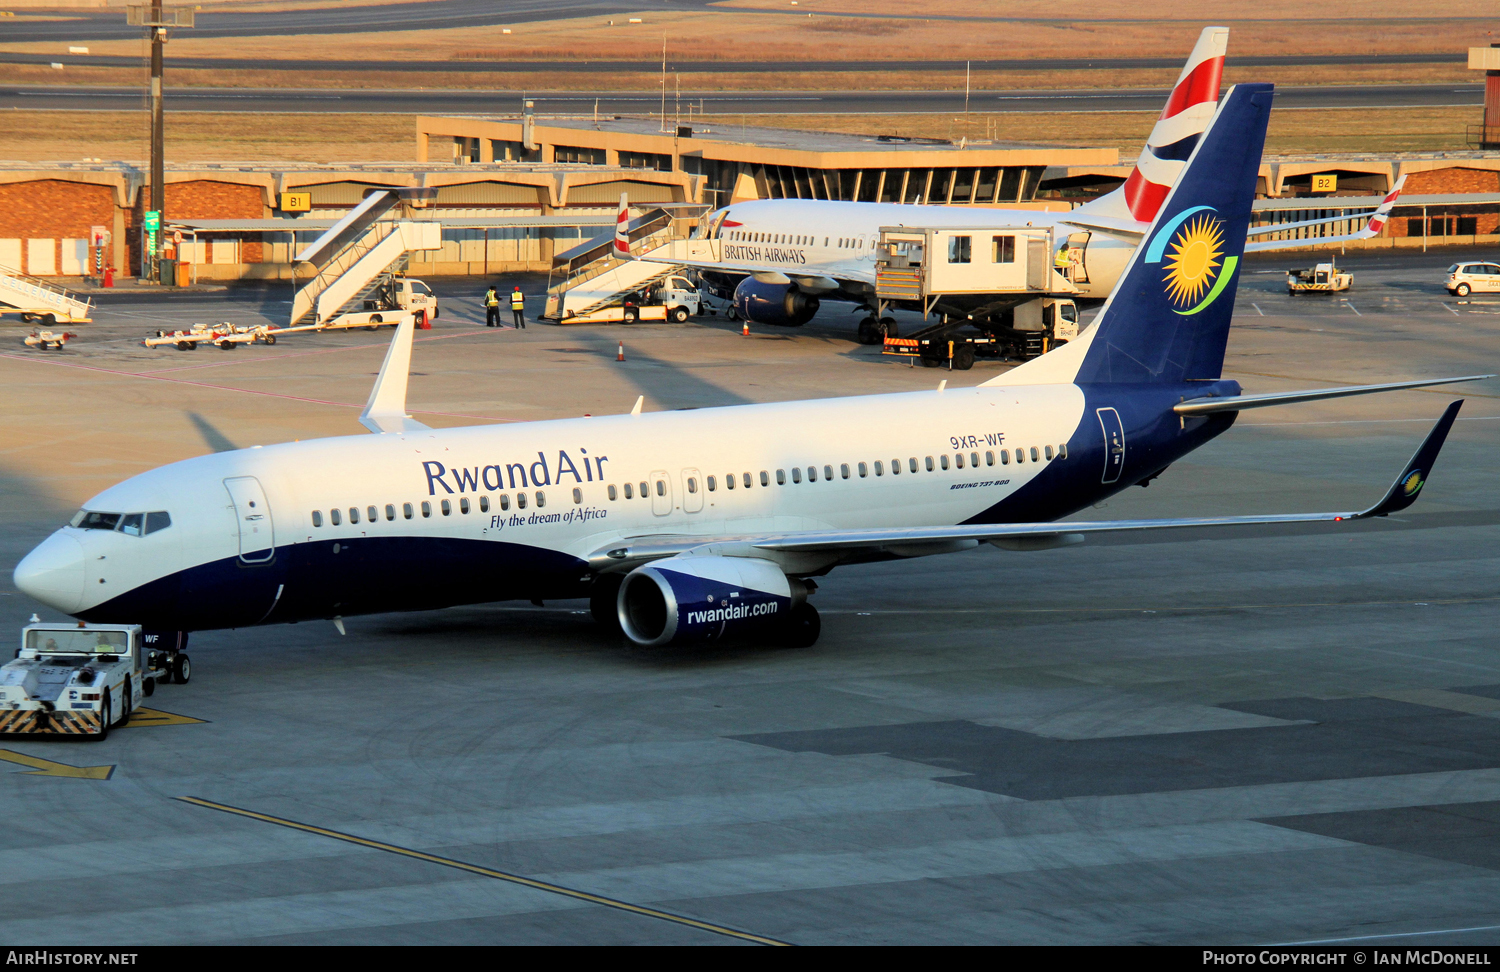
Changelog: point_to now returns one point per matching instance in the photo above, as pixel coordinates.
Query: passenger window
(828, 473)
(131, 523)
(463, 505)
(929, 464)
(334, 518)
(844, 469)
(446, 507)
(629, 492)
(1062, 451)
(895, 467)
(372, 514)
(989, 458)
(728, 482)
(390, 508)
(796, 474)
(520, 501)
(504, 501)
(692, 484)
(353, 514)
(912, 464)
(661, 487)
(958, 460)
(1005, 249)
(645, 491)
(159, 520)
(484, 504)
(1049, 452)
(765, 478)
(577, 496)
(959, 249)
(713, 484)
(1004, 457)
(863, 471)
(426, 510)
(317, 518)
(879, 468)
(812, 474)
(1020, 455)
(747, 480)
(406, 510)
(612, 493)
(541, 499)
(974, 459)
(1034, 457)
(943, 461)
(781, 477)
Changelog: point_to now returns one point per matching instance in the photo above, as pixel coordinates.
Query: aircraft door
(253, 513)
(661, 492)
(1114, 444)
(692, 491)
(1078, 251)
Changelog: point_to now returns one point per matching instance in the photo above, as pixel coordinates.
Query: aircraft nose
(53, 573)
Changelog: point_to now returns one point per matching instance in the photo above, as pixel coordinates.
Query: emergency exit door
(661, 492)
(692, 491)
(253, 513)
(1114, 444)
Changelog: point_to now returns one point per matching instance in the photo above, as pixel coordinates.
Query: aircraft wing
(921, 541)
(1129, 229)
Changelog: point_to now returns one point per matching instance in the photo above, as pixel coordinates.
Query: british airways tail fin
(1187, 113)
(1168, 318)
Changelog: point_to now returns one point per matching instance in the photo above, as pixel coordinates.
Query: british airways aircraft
(783, 257)
(688, 527)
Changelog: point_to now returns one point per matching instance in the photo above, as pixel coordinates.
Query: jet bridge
(971, 271)
(37, 300)
(351, 258)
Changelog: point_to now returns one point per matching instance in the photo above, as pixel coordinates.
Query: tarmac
(1259, 738)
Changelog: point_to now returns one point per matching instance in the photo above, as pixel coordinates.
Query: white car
(81, 679)
(1466, 278)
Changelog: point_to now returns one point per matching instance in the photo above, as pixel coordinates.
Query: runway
(448, 101)
(1252, 740)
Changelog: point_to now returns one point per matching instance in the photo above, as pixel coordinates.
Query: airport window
(541, 499)
(879, 468)
(612, 492)
(317, 518)
(895, 467)
(484, 504)
(504, 501)
(1005, 249)
(520, 501)
(713, 483)
(943, 461)
(406, 510)
(929, 464)
(661, 487)
(942, 181)
(912, 464)
(781, 477)
(828, 473)
(958, 460)
(844, 469)
(1020, 455)
(390, 511)
(796, 474)
(333, 517)
(576, 153)
(765, 478)
(426, 509)
(959, 249)
(629, 492)
(963, 185)
(1010, 184)
(577, 496)
(463, 504)
(1034, 457)
(863, 470)
(353, 514)
(130, 524)
(974, 459)
(1062, 451)
(1004, 457)
(159, 520)
(372, 514)
(446, 507)
(985, 192)
(692, 484)
(1049, 452)
(989, 458)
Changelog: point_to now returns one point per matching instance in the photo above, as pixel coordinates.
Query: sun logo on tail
(1412, 484)
(1194, 260)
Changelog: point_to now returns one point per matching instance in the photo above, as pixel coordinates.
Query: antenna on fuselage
(638, 403)
(386, 409)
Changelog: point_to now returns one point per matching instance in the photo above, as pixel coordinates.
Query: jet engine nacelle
(783, 305)
(694, 600)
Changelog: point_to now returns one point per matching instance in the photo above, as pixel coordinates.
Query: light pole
(156, 19)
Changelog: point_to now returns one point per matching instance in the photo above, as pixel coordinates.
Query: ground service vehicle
(1466, 278)
(79, 679)
(1325, 278)
(1025, 332)
(48, 340)
(680, 298)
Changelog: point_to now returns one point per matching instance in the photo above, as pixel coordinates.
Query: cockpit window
(130, 524)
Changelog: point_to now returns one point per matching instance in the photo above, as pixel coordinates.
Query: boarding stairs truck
(82, 679)
(590, 285)
(38, 301)
(997, 291)
(353, 264)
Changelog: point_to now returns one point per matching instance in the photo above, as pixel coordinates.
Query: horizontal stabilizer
(386, 409)
(1238, 403)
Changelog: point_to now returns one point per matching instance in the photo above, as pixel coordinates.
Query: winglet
(641, 400)
(1378, 218)
(622, 231)
(386, 409)
(1408, 485)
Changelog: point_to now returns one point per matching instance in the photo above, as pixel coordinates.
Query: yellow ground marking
(527, 882)
(46, 767)
(156, 717)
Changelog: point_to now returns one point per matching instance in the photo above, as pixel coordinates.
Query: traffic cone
(745, 331)
(621, 355)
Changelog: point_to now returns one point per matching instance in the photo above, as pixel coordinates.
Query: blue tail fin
(1168, 318)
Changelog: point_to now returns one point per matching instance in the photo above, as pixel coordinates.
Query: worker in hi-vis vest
(492, 308)
(517, 305)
